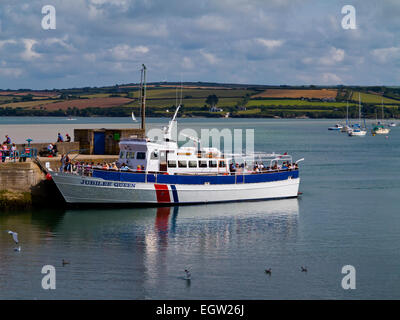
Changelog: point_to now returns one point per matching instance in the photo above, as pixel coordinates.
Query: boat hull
(357, 133)
(90, 190)
(381, 131)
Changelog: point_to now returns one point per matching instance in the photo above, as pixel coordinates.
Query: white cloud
(29, 53)
(270, 44)
(10, 72)
(5, 42)
(384, 55)
(209, 57)
(187, 63)
(213, 23)
(331, 78)
(334, 56)
(125, 52)
(61, 42)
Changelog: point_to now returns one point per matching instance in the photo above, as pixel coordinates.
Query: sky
(270, 42)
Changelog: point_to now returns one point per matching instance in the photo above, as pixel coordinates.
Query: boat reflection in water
(142, 253)
(163, 239)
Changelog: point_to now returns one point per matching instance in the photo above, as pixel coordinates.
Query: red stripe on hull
(162, 193)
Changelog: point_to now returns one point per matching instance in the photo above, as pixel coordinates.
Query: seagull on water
(303, 269)
(188, 275)
(14, 235)
(15, 238)
(268, 271)
(64, 262)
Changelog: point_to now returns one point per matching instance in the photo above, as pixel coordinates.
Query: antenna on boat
(143, 97)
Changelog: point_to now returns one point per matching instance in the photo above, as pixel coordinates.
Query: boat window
(222, 164)
(192, 164)
(172, 164)
(130, 155)
(212, 164)
(122, 154)
(202, 164)
(141, 155)
(154, 155)
(182, 164)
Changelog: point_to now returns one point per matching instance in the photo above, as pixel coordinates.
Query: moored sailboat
(357, 130)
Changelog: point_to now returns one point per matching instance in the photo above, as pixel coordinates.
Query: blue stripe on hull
(194, 179)
(174, 193)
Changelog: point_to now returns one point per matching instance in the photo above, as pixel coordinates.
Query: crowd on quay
(8, 149)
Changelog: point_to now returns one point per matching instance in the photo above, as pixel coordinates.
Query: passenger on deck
(114, 166)
(138, 168)
(68, 138)
(124, 167)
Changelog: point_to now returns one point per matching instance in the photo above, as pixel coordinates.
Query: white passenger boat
(162, 173)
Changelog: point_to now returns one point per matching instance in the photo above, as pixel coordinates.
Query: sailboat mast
(143, 96)
(347, 113)
(359, 108)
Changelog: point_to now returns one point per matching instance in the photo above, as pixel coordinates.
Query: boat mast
(143, 96)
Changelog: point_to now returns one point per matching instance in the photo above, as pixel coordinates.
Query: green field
(160, 99)
(193, 93)
(372, 98)
(295, 103)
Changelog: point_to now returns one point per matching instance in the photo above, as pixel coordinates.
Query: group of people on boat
(259, 167)
(82, 167)
(85, 168)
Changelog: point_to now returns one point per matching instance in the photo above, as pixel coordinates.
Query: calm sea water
(348, 214)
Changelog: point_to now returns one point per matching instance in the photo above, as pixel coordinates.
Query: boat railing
(240, 176)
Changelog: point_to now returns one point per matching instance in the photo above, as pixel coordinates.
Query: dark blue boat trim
(174, 193)
(194, 179)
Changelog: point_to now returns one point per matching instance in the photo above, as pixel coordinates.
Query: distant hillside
(233, 100)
